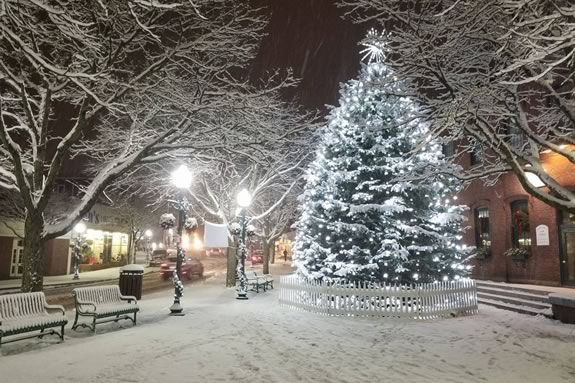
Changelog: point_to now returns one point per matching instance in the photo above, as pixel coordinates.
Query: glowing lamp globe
(182, 177)
(244, 198)
(148, 233)
(80, 228)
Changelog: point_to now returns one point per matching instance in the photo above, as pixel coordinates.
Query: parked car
(215, 252)
(255, 258)
(190, 267)
(159, 256)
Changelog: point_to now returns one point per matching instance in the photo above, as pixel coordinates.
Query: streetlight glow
(182, 177)
(148, 233)
(80, 228)
(534, 180)
(244, 198)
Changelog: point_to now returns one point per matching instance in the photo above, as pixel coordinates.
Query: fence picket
(417, 301)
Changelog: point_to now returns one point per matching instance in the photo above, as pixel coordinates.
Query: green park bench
(28, 312)
(103, 304)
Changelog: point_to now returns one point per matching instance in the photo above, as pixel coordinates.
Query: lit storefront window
(105, 247)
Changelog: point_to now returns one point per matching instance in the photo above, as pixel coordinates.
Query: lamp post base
(176, 309)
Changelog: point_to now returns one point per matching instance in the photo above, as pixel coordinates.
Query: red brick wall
(543, 266)
(6, 244)
(57, 257)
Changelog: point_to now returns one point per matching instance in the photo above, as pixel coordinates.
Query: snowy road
(224, 340)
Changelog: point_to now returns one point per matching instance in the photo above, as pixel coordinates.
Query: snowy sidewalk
(225, 340)
(85, 277)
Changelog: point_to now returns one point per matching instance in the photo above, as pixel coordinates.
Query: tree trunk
(231, 267)
(33, 254)
(130, 248)
(273, 251)
(267, 252)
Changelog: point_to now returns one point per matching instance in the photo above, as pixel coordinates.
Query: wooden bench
(103, 302)
(27, 312)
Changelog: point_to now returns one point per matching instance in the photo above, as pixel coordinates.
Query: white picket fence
(421, 301)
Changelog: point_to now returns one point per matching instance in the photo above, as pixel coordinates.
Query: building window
(567, 218)
(60, 188)
(448, 149)
(513, 134)
(476, 155)
(482, 237)
(520, 224)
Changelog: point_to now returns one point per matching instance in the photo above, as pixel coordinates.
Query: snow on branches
(119, 86)
(494, 77)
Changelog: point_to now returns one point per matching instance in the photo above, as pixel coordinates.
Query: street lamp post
(244, 201)
(79, 229)
(148, 234)
(182, 179)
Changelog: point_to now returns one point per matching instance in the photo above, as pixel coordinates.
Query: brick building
(505, 216)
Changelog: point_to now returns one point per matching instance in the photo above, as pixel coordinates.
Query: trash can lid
(132, 268)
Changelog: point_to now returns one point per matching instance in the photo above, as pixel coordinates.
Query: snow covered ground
(221, 339)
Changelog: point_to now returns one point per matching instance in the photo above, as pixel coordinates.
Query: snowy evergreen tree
(362, 219)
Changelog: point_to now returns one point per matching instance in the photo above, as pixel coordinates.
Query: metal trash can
(131, 277)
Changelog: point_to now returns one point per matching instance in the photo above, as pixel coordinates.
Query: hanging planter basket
(167, 221)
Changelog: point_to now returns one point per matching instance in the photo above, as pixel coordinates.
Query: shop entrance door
(16, 259)
(568, 255)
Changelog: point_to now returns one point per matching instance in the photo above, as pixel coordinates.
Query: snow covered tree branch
(495, 77)
(111, 87)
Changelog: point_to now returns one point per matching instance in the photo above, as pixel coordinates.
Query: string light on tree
(408, 229)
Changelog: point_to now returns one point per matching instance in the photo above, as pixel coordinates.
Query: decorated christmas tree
(367, 215)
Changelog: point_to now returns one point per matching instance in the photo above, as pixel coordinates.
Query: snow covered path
(224, 340)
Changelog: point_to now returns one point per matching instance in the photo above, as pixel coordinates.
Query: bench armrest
(128, 298)
(55, 307)
(82, 303)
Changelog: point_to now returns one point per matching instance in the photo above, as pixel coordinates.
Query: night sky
(311, 37)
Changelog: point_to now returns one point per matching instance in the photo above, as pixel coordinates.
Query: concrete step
(515, 308)
(514, 300)
(503, 286)
(512, 294)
